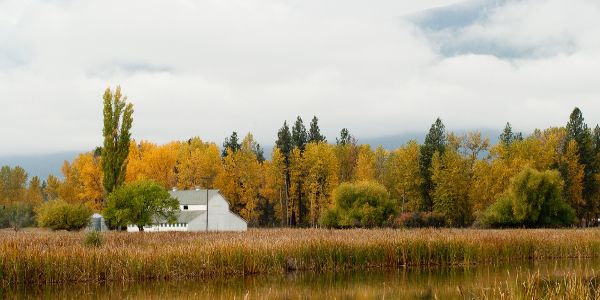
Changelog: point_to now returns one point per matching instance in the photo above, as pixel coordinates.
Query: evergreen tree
(578, 131)
(232, 143)
(508, 136)
(284, 142)
(117, 123)
(299, 135)
(314, 133)
(345, 137)
(435, 141)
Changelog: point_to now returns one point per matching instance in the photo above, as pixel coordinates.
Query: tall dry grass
(54, 257)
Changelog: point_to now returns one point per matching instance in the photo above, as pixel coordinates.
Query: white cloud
(210, 67)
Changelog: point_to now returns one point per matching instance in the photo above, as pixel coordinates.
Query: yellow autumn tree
(573, 173)
(199, 164)
(365, 164)
(241, 179)
(296, 205)
(148, 161)
(451, 176)
(273, 188)
(320, 164)
(83, 181)
(403, 177)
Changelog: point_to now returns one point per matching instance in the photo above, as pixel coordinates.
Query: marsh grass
(58, 257)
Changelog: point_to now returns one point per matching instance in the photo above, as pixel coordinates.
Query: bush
(363, 204)
(60, 215)
(17, 216)
(420, 219)
(534, 199)
(93, 239)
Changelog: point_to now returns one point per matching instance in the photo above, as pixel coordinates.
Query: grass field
(55, 257)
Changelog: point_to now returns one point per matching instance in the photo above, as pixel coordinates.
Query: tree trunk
(141, 228)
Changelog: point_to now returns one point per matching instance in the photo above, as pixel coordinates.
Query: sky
(207, 68)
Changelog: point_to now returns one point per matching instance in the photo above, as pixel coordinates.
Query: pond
(432, 283)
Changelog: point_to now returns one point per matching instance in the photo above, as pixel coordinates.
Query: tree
(299, 135)
(140, 203)
(345, 137)
(365, 164)
(198, 165)
(508, 136)
(240, 181)
(347, 155)
(320, 166)
(579, 132)
(450, 177)
(361, 204)
(573, 174)
(314, 133)
(435, 141)
(403, 177)
(231, 143)
(118, 119)
(534, 199)
(13, 185)
(34, 191)
(52, 188)
(285, 146)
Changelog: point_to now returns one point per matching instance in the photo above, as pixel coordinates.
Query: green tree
(508, 136)
(285, 146)
(140, 203)
(345, 137)
(118, 119)
(299, 135)
(231, 143)
(435, 141)
(578, 131)
(314, 133)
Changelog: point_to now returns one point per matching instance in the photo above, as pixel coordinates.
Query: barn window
(185, 207)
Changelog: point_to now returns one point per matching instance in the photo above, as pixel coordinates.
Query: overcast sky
(206, 68)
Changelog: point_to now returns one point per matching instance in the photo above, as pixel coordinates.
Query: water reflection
(432, 283)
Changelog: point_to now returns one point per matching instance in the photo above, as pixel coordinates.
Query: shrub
(534, 199)
(17, 216)
(93, 239)
(60, 215)
(420, 219)
(362, 204)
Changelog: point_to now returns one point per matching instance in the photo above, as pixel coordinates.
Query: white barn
(195, 212)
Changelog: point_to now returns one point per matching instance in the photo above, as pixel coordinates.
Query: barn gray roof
(184, 216)
(192, 197)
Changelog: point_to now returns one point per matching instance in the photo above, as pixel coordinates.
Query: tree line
(450, 179)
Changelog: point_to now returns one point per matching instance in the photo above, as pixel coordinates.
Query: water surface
(432, 283)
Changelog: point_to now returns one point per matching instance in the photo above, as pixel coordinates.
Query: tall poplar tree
(314, 133)
(118, 119)
(435, 142)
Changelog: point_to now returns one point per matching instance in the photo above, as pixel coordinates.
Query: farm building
(196, 208)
